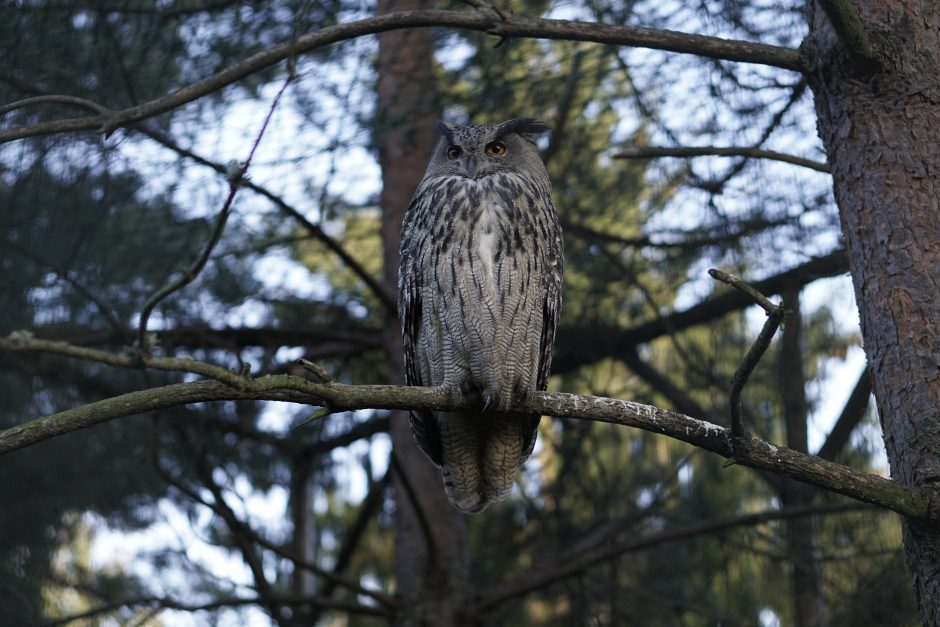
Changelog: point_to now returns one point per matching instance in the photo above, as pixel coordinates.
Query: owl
(479, 296)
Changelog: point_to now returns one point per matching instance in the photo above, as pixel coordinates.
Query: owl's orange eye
(453, 152)
(496, 149)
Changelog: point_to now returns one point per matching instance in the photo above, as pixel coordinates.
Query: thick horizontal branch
(653, 152)
(748, 450)
(511, 26)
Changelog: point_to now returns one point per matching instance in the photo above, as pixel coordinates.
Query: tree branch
(511, 26)
(190, 274)
(848, 26)
(652, 152)
(314, 229)
(755, 352)
(73, 101)
(746, 450)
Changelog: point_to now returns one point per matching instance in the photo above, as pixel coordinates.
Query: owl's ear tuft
(446, 130)
(521, 126)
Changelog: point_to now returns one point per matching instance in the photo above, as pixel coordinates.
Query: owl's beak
(471, 166)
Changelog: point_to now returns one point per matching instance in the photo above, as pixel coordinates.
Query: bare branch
(193, 271)
(755, 352)
(652, 152)
(74, 101)
(746, 450)
(511, 26)
(742, 286)
(314, 229)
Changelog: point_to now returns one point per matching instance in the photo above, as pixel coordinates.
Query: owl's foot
(487, 401)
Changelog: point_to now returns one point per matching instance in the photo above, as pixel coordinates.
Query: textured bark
(431, 572)
(882, 133)
(802, 549)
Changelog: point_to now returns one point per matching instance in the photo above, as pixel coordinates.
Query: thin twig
(190, 274)
(740, 285)
(775, 315)
(314, 229)
(317, 370)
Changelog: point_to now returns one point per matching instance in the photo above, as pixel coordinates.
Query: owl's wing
(423, 423)
(553, 270)
(553, 267)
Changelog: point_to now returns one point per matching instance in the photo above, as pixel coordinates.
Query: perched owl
(479, 298)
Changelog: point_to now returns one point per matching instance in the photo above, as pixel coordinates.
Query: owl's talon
(487, 402)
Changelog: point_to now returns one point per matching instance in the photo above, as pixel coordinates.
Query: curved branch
(74, 101)
(746, 450)
(652, 152)
(511, 26)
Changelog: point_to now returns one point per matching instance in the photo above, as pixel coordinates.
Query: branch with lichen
(224, 384)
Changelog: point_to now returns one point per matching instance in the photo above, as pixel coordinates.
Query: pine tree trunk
(431, 572)
(882, 135)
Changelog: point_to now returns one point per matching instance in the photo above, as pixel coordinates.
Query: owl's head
(478, 150)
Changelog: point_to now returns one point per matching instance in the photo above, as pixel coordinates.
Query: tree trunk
(882, 135)
(431, 565)
(802, 549)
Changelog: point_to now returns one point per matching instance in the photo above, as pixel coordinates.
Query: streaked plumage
(479, 298)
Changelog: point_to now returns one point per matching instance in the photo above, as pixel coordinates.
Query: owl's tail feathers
(461, 439)
(481, 454)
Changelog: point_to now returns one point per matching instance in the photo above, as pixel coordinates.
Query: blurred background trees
(226, 514)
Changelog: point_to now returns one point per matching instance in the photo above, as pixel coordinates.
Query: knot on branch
(494, 14)
(20, 336)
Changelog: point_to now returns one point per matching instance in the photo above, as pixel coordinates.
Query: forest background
(256, 157)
